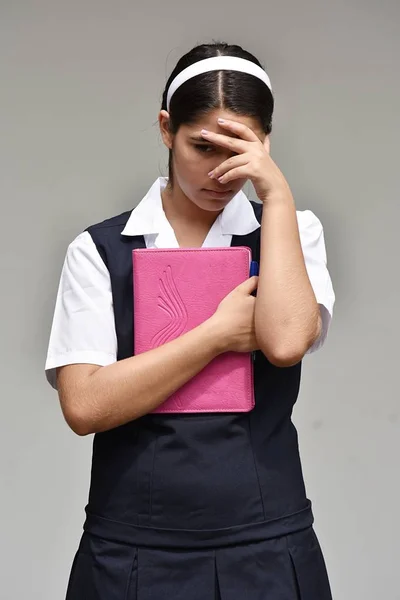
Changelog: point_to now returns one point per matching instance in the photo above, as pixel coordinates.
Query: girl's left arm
(287, 315)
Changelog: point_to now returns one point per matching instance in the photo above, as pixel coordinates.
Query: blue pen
(254, 270)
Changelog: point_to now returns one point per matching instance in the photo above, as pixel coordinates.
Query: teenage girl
(197, 506)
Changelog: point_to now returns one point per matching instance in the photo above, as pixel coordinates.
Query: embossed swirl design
(170, 301)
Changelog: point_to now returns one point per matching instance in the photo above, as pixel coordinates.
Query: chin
(211, 201)
(212, 205)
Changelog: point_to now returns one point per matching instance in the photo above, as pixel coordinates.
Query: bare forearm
(123, 391)
(286, 314)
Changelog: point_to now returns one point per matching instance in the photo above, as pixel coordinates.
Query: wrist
(214, 336)
(278, 195)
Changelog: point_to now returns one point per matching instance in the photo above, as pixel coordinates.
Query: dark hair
(239, 92)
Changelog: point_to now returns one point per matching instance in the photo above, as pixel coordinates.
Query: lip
(219, 194)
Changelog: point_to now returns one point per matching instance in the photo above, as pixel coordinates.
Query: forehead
(209, 121)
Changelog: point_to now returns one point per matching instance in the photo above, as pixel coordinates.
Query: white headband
(217, 63)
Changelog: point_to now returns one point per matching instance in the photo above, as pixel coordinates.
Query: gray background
(81, 83)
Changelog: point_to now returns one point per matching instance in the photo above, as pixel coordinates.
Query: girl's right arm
(97, 398)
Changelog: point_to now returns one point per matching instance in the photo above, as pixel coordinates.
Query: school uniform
(198, 506)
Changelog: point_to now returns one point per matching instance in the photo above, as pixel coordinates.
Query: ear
(267, 144)
(164, 123)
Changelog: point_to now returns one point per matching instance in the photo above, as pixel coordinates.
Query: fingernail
(210, 174)
(204, 131)
(221, 120)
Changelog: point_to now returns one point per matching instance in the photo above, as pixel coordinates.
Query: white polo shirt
(83, 329)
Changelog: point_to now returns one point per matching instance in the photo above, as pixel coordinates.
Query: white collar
(148, 217)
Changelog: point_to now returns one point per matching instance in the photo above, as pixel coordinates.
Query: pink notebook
(175, 290)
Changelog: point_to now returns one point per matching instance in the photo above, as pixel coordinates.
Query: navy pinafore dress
(197, 507)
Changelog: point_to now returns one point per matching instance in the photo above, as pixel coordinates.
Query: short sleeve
(83, 328)
(314, 251)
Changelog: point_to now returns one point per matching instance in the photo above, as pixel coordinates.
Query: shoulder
(311, 233)
(87, 245)
(307, 220)
(82, 254)
(112, 223)
(106, 235)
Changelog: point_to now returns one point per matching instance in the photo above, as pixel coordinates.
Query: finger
(237, 173)
(231, 163)
(240, 129)
(248, 286)
(233, 144)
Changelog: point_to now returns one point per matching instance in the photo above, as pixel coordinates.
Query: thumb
(248, 286)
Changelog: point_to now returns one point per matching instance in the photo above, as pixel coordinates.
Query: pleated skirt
(290, 567)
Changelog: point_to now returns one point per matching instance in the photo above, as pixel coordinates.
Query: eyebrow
(198, 138)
